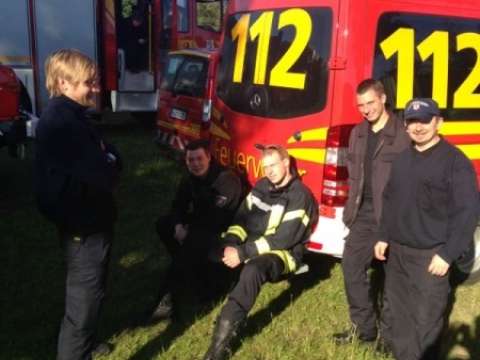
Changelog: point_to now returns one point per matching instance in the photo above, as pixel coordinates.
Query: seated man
(204, 206)
(267, 236)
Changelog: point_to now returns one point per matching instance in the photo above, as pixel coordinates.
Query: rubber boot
(225, 331)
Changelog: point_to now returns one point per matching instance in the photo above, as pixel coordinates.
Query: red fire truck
(128, 38)
(186, 95)
(16, 121)
(288, 72)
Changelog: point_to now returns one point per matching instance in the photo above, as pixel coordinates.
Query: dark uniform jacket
(208, 203)
(274, 221)
(432, 201)
(74, 176)
(393, 139)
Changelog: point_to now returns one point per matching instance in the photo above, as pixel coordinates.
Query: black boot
(225, 331)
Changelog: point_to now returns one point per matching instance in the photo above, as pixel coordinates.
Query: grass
(291, 319)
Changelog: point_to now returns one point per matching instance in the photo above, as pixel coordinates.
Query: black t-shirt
(372, 142)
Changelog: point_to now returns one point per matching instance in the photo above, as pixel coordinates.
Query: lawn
(293, 319)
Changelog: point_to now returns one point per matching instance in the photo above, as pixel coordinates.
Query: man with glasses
(266, 237)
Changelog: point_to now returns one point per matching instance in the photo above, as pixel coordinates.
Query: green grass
(291, 319)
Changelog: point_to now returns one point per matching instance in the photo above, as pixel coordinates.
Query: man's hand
(438, 266)
(181, 232)
(379, 250)
(230, 257)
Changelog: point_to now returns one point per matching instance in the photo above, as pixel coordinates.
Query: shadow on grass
(459, 341)
(320, 267)
(182, 320)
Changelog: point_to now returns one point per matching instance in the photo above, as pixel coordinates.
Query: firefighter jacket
(393, 140)
(276, 221)
(208, 203)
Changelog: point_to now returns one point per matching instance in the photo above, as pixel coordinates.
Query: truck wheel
(466, 270)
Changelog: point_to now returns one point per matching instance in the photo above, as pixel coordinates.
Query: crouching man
(267, 237)
(204, 206)
(429, 216)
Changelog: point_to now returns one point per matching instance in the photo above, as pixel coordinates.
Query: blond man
(75, 171)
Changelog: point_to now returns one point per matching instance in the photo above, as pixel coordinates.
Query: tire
(466, 270)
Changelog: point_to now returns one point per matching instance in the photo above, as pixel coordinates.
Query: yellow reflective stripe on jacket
(238, 231)
(288, 260)
(297, 214)
(249, 201)
(262, 245)
(275, 218)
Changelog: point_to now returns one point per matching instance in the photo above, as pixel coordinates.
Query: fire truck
(128, 38)
(288, 71)
(16, 120)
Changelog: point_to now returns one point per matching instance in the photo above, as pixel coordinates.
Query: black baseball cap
(421, 109)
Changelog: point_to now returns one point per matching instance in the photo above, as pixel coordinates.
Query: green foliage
(291, 320)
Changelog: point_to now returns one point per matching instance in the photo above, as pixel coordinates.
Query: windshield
(274, 63)
(186, 75)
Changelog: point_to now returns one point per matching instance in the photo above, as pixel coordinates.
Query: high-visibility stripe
(460, 128)
(310, 135)
(275, 218)
(260, 204)
(313, 155)
(262, 245)
(288, 261)
(472, 151)
(238, 231)
(249, 201)
(297, 214)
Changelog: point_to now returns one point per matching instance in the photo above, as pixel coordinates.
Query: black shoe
(225, 331)
(164, 309)
(102, 349)
(349, 336)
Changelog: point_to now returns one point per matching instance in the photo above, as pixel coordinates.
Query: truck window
(173, 63)
(274, 62)
(209, 15)
(186, 75)
(437, 56)
(15, 43)
(182, 16)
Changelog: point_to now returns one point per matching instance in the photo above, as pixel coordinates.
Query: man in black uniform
(372, 146)
(430, 212)
(267, 236)
(204, 206)
(75, 171)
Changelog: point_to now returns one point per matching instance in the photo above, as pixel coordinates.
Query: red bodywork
(353, 51)
(173, 131)
(9, 94)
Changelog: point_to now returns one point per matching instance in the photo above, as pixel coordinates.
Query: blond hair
(70, 65)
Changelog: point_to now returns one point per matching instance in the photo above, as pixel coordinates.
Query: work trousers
(190, 261)
(255, 273)
(418, 301)
(357, 260)
(87, 261)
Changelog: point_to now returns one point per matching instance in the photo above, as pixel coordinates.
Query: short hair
(370, 84)
(198, 144)
(70, 65)
(268, 150)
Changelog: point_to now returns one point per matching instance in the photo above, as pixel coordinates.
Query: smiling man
(430, 212)
(266, 237)
(373, 144)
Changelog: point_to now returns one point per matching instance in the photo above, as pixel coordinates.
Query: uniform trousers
(190, 261)
(418, 302)
(255, 273)
(87, 260)
(357, 260)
